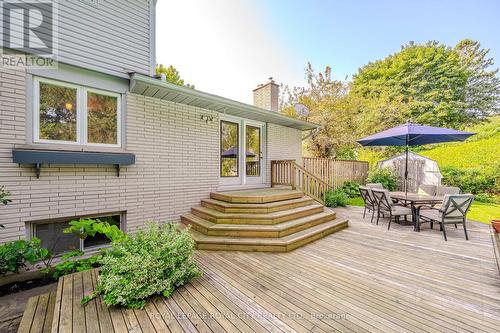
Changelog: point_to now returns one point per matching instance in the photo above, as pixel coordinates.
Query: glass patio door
(230, 153)
(241, 152)
(253, 154)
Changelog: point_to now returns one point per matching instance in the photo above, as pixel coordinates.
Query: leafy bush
(336, 198)
(4, 196)
(4, 199)
(155, 261)
(384, 176)
(91, 227)
(17, 254)
(83, 228)
(71, 266)
(487, 198)
(475, 181)
(351, 188)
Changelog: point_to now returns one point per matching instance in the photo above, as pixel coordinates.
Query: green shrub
(154, 261)
(4, 196)
(351, 188)
(487, 198)
(17, 254)
(384, 176)
(475, 181)
(336, 198)
(71, 266)
(91, 227)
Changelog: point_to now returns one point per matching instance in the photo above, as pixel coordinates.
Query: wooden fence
(336, 172)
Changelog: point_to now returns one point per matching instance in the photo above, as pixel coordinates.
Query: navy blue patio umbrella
(413, 135)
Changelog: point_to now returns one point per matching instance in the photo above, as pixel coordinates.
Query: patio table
(415, 199)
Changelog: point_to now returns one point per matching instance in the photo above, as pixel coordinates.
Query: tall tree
(172, 75)
(482, 88)
(428, 83)
(328, 106)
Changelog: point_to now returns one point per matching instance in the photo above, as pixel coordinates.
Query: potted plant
(496, 225)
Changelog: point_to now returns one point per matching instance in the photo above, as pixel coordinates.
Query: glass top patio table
(416, 199)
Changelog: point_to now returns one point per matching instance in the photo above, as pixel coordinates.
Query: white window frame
(81, 114)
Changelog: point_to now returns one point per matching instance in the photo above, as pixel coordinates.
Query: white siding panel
(113, 37)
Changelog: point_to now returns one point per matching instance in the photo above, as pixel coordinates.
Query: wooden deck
(361, 279)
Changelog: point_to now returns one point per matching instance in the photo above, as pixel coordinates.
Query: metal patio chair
(369, 201)
(453, 211)
(386, 206)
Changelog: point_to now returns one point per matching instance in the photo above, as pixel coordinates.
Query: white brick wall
(176, 165)
(283, 143)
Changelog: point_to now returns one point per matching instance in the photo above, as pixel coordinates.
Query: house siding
(283, 143)
(112, 37)
(176, 164)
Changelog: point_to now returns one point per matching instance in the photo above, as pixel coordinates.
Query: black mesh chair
(386, 206)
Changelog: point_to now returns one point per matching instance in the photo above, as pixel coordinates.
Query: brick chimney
(266, 95)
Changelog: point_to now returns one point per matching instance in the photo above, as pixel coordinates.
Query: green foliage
(384, 176)
(351, 188)
(487, 198)
(90, 227)
(336, 198)
(17, 254)
(154, 261)
(72, 266)
(172, 75)
(327, 102)
(4, 196)
(430, 84)
(479, 151)
(475, 181)
(83, 228)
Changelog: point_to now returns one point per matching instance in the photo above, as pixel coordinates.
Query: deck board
(362, 279)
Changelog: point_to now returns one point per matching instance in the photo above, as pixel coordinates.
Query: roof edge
(304, 125)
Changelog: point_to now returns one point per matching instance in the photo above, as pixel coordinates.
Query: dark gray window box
(39, 157)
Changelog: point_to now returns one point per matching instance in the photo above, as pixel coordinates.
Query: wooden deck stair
(270, 220)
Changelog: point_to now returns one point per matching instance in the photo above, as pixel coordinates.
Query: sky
(228, 47)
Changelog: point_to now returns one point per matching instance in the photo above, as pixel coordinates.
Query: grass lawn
(356, 202)
(484, 212)
(481, 212)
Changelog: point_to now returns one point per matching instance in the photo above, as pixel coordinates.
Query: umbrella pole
(406, 167)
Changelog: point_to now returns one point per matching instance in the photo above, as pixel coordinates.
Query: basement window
(53, 238)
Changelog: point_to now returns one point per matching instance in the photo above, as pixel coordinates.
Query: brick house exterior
(176, 153)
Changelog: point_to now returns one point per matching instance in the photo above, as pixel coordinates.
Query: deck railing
(288, 172)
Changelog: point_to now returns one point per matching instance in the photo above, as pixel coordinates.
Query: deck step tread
(268, 227)
(251, 216)
(268, 207)
(287, 240)
(257, 195)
